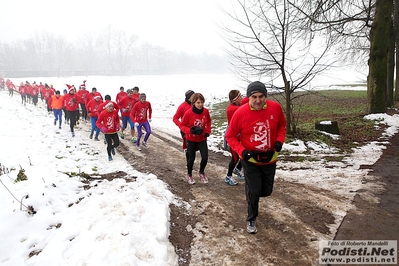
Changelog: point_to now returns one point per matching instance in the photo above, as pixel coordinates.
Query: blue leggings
(93, 121)
(58, 115)
(125, 120)
(147, 129)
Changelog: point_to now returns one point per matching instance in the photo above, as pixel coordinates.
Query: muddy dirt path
(208, 222)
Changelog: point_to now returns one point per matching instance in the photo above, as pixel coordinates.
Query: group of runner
(130, 108)
(255, 133)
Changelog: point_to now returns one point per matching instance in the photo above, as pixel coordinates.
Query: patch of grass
(219, 121)
(21, 176)
(347, 107)
(334, 158)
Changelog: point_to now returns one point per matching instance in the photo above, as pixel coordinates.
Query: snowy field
(115, 222)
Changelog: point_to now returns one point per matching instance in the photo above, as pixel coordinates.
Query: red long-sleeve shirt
(120, 96)
(191, 119)
(141, 112)
(47, 93)
(71, 102)
(103, 104)
(109, 121)
(90, 96)
(258, 129)
(83, 95)
(126, 105)
(181, 110)
(231, 108)
(93, 107)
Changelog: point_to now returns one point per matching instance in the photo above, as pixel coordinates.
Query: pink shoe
(190, 179)
(203, 178)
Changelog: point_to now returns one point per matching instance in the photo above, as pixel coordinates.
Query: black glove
(196, 130)
(206, 135)
(278, 146)
(246, 155)
(182, 134)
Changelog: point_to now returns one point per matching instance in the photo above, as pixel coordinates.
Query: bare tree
(125, 48)
(269, 42)
(88, 52)
(64, 55)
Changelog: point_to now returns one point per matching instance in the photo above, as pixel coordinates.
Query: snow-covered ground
(115, 222)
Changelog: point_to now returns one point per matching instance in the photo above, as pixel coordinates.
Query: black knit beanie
(188, 94)
(256, 86)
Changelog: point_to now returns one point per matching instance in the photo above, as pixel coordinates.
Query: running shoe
(239, 173)
(230, 180)
(251, 227)
(190, 179)
(203, 177)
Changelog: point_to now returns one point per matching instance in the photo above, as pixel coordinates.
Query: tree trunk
(390, 68)
(396, 34)
(379, 37)
(288, 109)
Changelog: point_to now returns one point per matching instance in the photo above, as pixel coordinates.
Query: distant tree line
(112, 52)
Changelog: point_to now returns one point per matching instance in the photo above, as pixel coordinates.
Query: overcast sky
(174, 24)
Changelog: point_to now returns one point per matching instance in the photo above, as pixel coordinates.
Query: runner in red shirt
(28, 91)
(35, 93)
(47, 93)
(41, 88)
(83, 95)
(183, 107)
(235, 166)
(71, 103)
(107, 99)
(93, 108)
(120, 95)
(141, 116)
(196, 125)
(22, 92)
(256, 132)
(108, 122)
(11, 87)
(126, 105)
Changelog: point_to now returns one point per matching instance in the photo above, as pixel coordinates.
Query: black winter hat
(188, 94)
(107, 97)
(256, 86)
